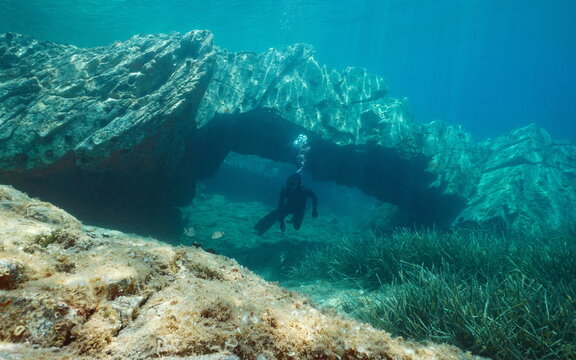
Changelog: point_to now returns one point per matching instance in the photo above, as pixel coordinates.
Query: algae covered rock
(528, 181)
(102, 125)
(345, 107)
(111, 133)
(111, 295)
(120, 134)
(11, 274)
(59, 101)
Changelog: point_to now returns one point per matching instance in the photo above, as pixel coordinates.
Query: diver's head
(293, 181)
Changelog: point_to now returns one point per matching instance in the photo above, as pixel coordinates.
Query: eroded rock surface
(119, 134)
(104, 125)
(94, 293)
(97, 104)
(527, 181)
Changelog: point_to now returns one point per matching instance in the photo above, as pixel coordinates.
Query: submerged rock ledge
(120, 134)
(82, 292)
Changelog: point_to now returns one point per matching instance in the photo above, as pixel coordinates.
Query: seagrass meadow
(503, 295)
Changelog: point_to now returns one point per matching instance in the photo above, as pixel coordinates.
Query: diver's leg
(297, 219)
(267, 221)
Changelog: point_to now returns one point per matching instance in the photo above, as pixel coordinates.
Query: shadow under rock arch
(383, 173)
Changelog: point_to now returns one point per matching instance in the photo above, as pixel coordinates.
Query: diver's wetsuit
(292, 201)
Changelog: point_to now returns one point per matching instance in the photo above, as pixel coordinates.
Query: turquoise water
(490, 65)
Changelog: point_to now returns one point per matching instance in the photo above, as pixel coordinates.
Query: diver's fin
(266, 222)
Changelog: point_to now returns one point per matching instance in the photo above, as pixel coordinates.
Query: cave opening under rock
(145, 198)
(385, 174)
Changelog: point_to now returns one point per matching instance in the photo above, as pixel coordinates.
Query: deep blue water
(489, 65)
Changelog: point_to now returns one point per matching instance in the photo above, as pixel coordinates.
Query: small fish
(190, 232)
(217, 235)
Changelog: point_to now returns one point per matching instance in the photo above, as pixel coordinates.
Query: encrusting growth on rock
(81, 292)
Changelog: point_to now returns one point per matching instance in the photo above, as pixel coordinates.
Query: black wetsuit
(291, 201)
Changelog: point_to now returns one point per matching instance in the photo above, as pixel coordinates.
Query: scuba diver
(292, 201)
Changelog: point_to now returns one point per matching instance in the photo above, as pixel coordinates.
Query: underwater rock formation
(84, 292)
(527, 181)
(119, 134)
(103, 126)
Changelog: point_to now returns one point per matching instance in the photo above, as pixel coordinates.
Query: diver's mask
(292, 184)
(293, 181)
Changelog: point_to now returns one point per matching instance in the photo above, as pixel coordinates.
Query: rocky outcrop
(75, 292)
(527, 181)
(345, 108)
(129, 128)
(96, 104)
(105, 125)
